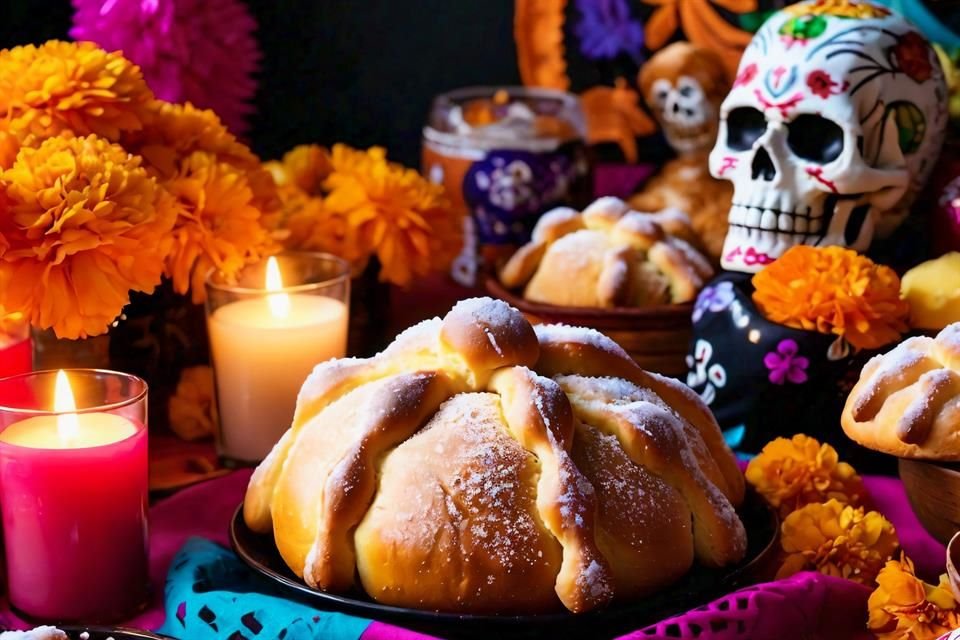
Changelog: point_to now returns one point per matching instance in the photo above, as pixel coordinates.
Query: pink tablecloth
(808, 605)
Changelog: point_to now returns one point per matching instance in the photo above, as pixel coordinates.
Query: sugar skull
(833, 124)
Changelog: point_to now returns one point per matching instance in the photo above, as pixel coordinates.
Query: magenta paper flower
(201, 51)
(785, 364)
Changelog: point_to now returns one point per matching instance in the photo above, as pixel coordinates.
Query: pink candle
(74, 499)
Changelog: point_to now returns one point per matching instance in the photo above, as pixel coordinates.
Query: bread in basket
(478, 465)
(608, 256)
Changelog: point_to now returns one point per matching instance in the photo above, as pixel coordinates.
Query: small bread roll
(907, 401)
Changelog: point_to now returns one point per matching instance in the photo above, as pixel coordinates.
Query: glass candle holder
(73, 494)
(16, 350)
(505, 156)
(267, 332)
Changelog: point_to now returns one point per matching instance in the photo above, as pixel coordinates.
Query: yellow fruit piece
(933, 291)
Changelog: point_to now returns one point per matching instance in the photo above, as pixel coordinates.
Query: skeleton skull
(833, 124)
(684, 113)
(684, 85)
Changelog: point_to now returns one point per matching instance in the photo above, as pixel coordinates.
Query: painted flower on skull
(607, 29)
(912, 55)
(714, 299)
(785, 364)
(801, 29)
(821, 84)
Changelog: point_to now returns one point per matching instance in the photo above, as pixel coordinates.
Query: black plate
(117, 633)
(698, 587)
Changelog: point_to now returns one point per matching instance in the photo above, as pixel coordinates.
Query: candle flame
(279, 302)
(68, 426)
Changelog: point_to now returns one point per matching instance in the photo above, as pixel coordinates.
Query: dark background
(361, 72)
(364, 71)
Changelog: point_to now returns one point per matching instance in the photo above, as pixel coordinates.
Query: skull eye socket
(661, 91)
(688, 88)
(814, 138)
(745, 125)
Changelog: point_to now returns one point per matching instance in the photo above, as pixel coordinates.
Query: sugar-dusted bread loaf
(608, 256)
(477, 465)
(907, 402)
(38, 633)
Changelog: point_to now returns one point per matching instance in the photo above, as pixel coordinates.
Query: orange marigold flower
(84, 224)
(304, 167)
(174, 131)
(837, 540)
(903, 607)
(833, 290)
(193, 407)
(209, 170)
(70, 87)
(394, 213)
(307, 224)
(310, 226)
(218, 225)
(793, 473)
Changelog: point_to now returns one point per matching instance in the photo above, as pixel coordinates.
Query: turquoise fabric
(211, 595)
(929, 25)
(734, 436)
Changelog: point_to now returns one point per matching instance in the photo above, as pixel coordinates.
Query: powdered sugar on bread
(445, 471)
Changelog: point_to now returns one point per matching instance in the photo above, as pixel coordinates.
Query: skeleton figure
(684, 84)
(833, 124)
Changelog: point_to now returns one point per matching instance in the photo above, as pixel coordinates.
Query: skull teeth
(785, 222)
(768, 220)
(754, 219)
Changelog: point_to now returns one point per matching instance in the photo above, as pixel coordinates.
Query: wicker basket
(658, 338)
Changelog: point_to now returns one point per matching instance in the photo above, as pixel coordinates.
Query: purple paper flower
(713, 298)
(201, 51)
(785, 364)
(607, 29)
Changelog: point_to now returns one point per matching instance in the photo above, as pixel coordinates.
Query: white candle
(263, 349)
